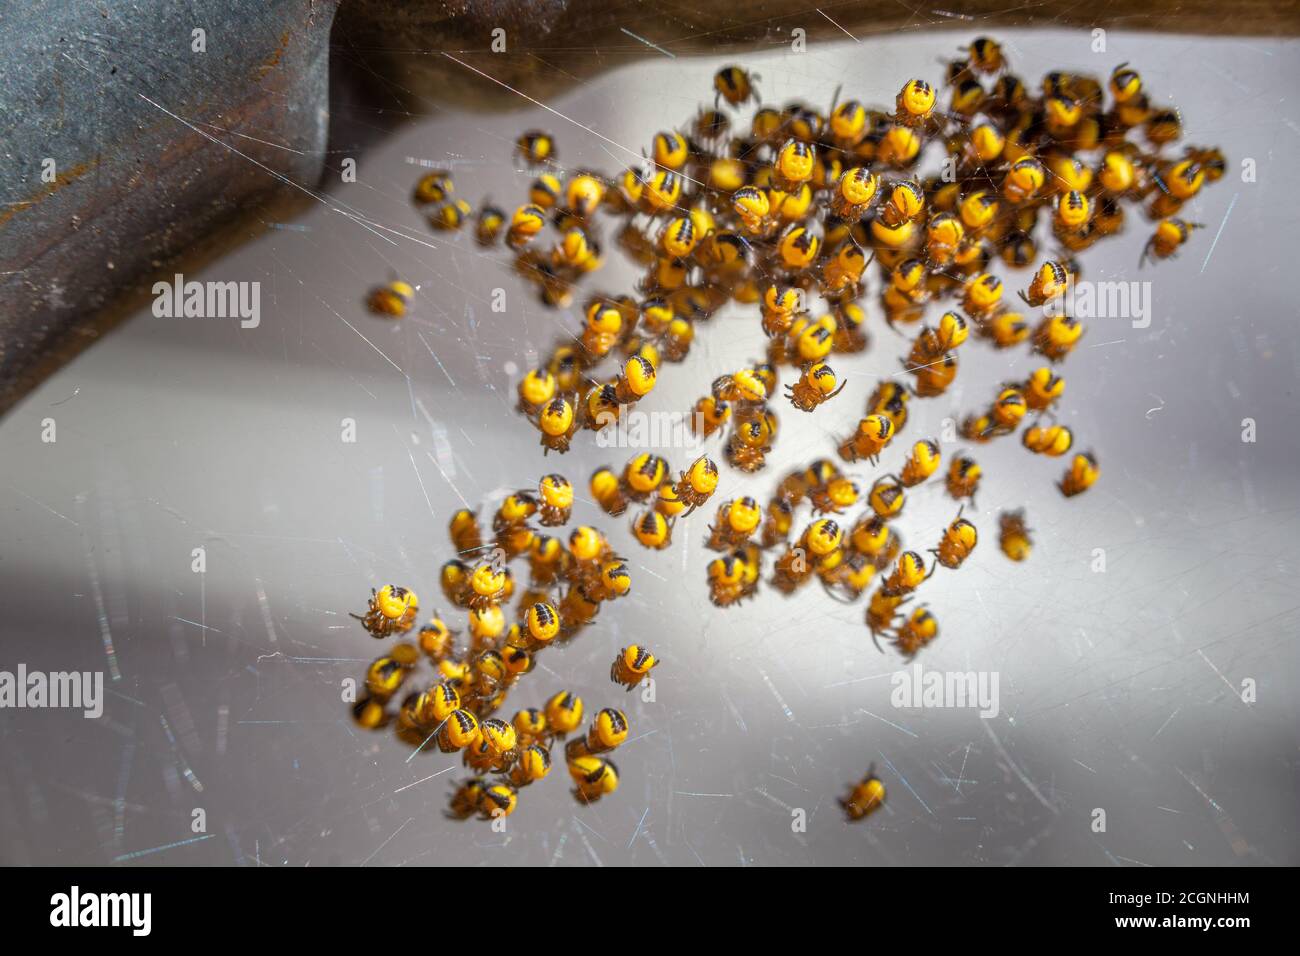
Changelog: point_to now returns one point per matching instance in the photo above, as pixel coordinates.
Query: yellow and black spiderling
(536, 147)
(391, 300)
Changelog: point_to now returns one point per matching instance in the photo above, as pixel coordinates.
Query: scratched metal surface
(1119, 690)
(80, 90)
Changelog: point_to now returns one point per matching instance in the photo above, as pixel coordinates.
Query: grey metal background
(140, 127)
(1119, 690)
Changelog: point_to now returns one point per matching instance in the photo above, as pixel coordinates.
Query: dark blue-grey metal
(126, 137)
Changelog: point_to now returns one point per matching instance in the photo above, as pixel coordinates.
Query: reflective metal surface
(1119, 690)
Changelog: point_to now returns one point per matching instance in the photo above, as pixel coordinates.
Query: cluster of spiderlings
(560, 398)
(846, 560)
(454, 707)
(797, 203)
(792, 206)
(647, 480)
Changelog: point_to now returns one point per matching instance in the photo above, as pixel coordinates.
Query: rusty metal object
(552, 45)
(127, 147)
